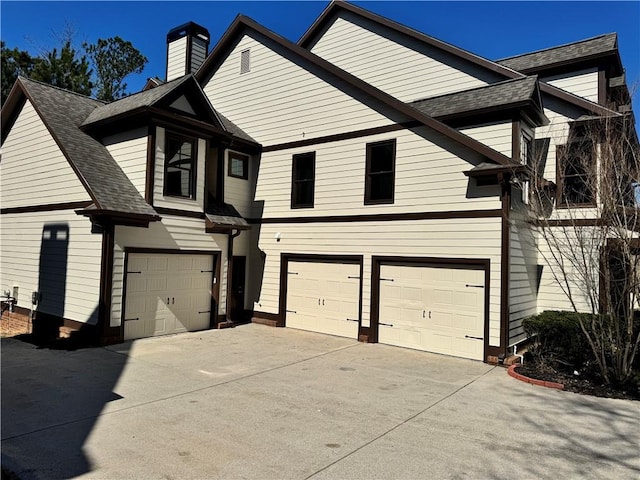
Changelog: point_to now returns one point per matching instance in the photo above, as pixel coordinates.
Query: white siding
(453, 238)
(428, 178)
(56, 254)
(280, 101)
(498, 136)
(177, 59)
(238, 191)
(159, 200)
(33, 170)
(583, 83)
(405, 68)
(129, 150)
(523, 276)
(174, 233)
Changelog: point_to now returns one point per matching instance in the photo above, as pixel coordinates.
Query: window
(245, 61)
(179, 173)
(525, 149)
(576, 164)
(380, 172)
(238, 165)
(303, 178)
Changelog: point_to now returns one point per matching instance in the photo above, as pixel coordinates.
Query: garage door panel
(168, 294)
(322, 298)
(432, 308)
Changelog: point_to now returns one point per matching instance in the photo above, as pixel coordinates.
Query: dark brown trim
(464, 263)
(367, 132)
(108, 334)
(333, 7)
(175, 212)
(11, 110)
(296, 182)
(230, 302)
(505, 252)
(572, 222)
(49, 207)
(603, 86)
(382, 217)
(151, 165)
(245, 165)
(266, 315)
(516, 135)
(368, 187)
(242, 23)
(285, 258)
(215, 316)
(172, 251)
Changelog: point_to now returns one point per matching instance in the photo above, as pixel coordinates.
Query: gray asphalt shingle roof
(63, 112)
(563, 53)
(490, 96)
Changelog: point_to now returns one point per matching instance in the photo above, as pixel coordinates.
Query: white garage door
(433, 309)
(323, 297)
(167, 293)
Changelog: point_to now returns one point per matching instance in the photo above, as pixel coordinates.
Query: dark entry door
(238, 278)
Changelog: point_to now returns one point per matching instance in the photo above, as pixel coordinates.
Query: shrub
(557, 340)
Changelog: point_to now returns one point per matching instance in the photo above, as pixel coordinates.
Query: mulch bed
(583, 384)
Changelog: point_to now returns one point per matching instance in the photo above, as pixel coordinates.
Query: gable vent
(245, 61)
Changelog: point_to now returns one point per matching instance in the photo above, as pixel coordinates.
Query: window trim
(194, 165)
(367, 181)
(561, 154)
(295, 182)
(245, 165)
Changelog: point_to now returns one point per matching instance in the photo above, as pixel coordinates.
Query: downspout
(505, 255)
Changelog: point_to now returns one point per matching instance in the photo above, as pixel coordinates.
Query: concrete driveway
(265, 403)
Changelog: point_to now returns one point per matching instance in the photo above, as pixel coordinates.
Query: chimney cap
(189, 28)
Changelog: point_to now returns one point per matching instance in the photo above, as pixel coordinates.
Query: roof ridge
(87, 97)
(164, 85)
(503, 82)
(568, 44)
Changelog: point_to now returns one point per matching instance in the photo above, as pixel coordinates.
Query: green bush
(558, 340)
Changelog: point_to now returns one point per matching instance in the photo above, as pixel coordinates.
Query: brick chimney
(187, 48)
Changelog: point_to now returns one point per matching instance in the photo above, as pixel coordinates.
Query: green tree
(113, 60)
(65, 69)
(14, 63)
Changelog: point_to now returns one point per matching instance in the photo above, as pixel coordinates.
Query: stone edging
(512, 372)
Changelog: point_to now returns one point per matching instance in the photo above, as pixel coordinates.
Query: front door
(238, 278)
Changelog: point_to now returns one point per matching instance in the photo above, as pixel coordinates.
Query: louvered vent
(245, 61)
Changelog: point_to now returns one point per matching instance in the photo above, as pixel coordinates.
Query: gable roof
(515, 93)
(243, 23)
(63, 112)
(596, 47)
(336, 6)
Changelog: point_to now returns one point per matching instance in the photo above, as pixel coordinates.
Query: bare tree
(587, 226)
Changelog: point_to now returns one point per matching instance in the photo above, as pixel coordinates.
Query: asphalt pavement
(256, 402)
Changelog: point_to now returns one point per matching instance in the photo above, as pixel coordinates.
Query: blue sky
(490, 29)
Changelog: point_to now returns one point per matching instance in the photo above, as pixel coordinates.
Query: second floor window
(180, 166)
(576, 174)
(380, 172)
(303, 178)
(238, 165)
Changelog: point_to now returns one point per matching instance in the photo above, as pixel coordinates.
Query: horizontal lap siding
(177, 58)
(523, 273)
(498, 136)
(238, 191)
(129, 150)
(452, 238)
(583, 83)
(34, 170)
(174, 233)
(408, 71)
(72, 285)
(428, 178)
(280, 101)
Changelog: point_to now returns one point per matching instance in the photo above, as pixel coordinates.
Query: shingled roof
(571, 52)
(510, 93)
(63, 112)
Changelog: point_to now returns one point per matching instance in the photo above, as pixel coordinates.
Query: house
(367, 182)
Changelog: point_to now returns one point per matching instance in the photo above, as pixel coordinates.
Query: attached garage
(167, 293)
(323, 296)
(434, 307)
